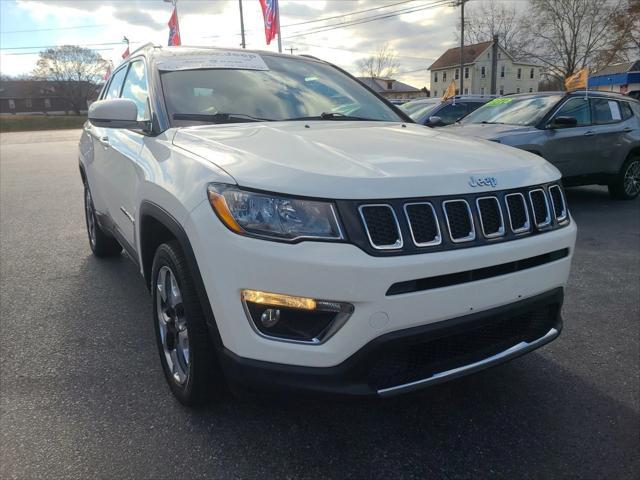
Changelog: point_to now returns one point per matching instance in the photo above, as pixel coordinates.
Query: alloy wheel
(90, 217)
(632, 178)
(172, 325)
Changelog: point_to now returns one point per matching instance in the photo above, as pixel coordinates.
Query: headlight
(273, 216)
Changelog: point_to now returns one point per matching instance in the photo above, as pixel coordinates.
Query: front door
(572, 150)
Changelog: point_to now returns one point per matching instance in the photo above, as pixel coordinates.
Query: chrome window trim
(527, 223)
(564, 215)
(438, 238)
(472, 233)
(547, 220)
(399, 243)
(501, 230)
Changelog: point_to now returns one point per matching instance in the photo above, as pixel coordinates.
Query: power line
(327, 28)
(360, 51)
(38, 53)
(346, 14)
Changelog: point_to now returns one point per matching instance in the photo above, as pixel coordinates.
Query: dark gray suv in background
(592, 138)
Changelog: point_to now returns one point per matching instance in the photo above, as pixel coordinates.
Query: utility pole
(494, 64)
(244, 44)
(462, 2)
(291, 50)
(279, 30)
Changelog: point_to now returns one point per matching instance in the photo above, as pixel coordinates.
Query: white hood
(356, 160)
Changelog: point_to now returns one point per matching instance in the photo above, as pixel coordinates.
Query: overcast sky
(418, 37)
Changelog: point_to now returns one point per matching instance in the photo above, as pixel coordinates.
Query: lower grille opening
(402, 365)
(474, 275)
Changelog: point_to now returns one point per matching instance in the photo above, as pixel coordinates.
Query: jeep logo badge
(483, 182)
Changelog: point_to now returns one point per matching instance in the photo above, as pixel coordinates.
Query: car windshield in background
(418, 110)
(527, 110)
(290, 89)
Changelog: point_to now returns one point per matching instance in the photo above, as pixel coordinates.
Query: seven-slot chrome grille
(401, 226)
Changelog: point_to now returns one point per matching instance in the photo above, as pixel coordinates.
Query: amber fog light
(294, 319)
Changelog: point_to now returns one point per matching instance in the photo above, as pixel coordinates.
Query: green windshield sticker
(499, 101)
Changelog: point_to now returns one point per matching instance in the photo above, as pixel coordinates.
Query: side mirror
(563, 122)
(434, 120)
(116, 113)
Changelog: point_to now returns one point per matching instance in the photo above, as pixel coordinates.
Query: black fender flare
(150, 209)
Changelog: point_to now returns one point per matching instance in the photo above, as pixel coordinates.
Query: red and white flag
(174, 29)
(126, 53)
(107, 74)
(270, 14)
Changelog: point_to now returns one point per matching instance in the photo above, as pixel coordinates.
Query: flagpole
(278, 21)
(244, 45)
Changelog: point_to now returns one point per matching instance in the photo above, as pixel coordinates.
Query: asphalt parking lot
(82, 394)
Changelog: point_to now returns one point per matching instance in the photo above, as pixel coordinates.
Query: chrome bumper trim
(516, 350)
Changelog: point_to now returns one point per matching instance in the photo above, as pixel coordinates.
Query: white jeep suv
(299, 232)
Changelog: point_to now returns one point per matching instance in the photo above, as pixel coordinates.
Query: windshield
(418, 110)
(292, 88)
(527, 110)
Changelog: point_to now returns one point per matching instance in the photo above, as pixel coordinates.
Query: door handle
(588, 134)
(627, 130)
(104, 140)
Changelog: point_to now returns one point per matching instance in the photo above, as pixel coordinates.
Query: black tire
(203, 379)
(102, 244)
(621, 188)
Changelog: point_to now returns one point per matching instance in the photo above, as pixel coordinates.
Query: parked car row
(591, 137)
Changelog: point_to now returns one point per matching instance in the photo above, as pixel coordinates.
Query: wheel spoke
(175, 298)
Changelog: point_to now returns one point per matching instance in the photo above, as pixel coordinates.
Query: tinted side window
(577, 108)
(113, 90)
(627, 113)
(473, 106)
(605, 111)
(135, 88)
(450, 113)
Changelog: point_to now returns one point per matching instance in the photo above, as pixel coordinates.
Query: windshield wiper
(334, 116)
(492, 123)
(220, 117)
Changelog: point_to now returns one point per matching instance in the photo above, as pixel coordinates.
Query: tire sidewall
(166, 257)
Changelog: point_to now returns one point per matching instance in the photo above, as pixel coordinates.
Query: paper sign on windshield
(498, 101)
(215, 59)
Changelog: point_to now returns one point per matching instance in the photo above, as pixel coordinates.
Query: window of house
(530, 89)
(457, 91)
(435, 93)
(501, 89)
(518, 90)
(488, 54)
(519, 73)
(502, 71)
(135, 88)
(457, 73)
(12, 104)
(466, 91)
(28, 103)
(531, 73)
(444, 76)
(466, 72)
(435, 77)
(481, 90)
(483, 72)
(47, 103)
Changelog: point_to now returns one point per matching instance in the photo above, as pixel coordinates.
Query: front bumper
(417, 357)
(229, 263)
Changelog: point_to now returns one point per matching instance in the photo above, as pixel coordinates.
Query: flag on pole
(126, 53)
(578, 80)
(270, 14)
(174, 29)
(107, 74)
(450, 91)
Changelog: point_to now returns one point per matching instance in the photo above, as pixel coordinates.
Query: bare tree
(383, 64)
(486, 19)
(625, 46)
(567, 35)
(74, 71)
